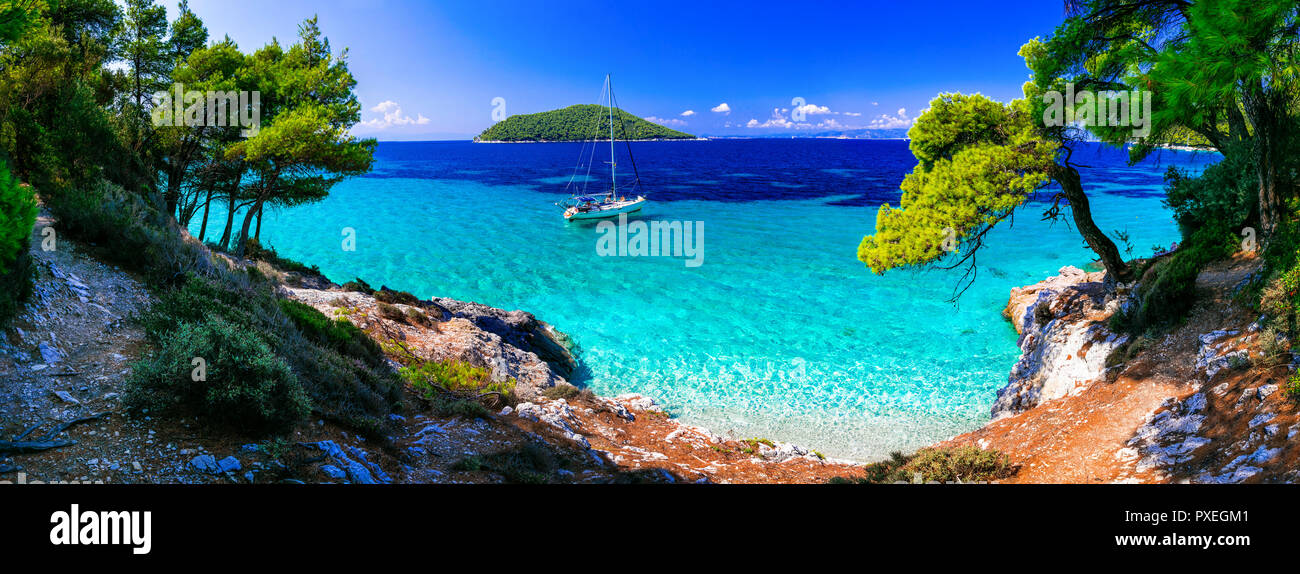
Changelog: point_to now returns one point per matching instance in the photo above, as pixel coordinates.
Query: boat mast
(613, 166)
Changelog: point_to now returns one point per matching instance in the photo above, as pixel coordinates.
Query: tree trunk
(173, 193)
(231, 196)
(1072, 188)
(258, 233)
(1266, 162)
(1266, 111)
(248, 222)
(203, 227)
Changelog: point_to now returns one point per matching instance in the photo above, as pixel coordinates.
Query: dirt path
(64, 357)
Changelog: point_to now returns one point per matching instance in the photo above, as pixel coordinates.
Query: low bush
(1292, 387)
(528, 464)
(17, 215)
(15, 286)
(390, 312)
(455, 376)
(458, 388)
(222, 371)
(338, 334)
(386, 295)
(337, 365)
(254, 250)
(1168, 287)
(947, 465)
(561, 392)
(417, 317)
(452, 407)
(358, 286)
(1275, 347)
(125, 228)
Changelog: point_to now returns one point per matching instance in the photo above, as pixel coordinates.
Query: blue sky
(430, 70)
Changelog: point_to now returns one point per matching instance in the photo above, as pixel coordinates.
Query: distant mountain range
(855, 134)
(582, 122)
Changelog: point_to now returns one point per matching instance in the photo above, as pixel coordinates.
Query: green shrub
(1292, 387)
(561, 392)
(390, 312)
(417, 317)
(338, 366)
(452, 407)
(454, 376)
(15, 286)
(358, 286)
(339, 334)
(528, 464)
(125, 228)
(386, 295)
(1275, 347)
(947, 465)
(246, 386)
(1168, 287)
(1220, 196)
(17, 215)
(456, 388)
(254, 250)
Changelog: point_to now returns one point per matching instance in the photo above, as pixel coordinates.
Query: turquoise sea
(780, 333)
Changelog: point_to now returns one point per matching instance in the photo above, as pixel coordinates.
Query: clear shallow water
(781, 333)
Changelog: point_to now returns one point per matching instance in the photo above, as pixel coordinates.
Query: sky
(429, 70)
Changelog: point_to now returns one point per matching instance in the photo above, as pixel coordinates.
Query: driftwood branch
(46, 442)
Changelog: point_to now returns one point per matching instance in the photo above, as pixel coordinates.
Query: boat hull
(606, 212)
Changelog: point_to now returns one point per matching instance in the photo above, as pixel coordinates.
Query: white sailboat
(616, 201)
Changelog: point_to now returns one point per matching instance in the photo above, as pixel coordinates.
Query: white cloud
(886, 121)
(688, 113)
(722, 108)
(392, 116)
(666, 122)
(813, 109)
(799, 119)
(776, 121)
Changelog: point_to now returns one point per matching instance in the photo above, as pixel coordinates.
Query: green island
(577, 123)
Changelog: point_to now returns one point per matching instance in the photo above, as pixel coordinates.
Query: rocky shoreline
(629, 431)
(1197, 405)
(1064, 340)
(1200, 403)
(64, 360)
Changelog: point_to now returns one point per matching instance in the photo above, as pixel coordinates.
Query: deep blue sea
(781, 332)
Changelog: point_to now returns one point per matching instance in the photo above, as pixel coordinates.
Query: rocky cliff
(1198, 402)
(510, 344)
(1064, 340)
